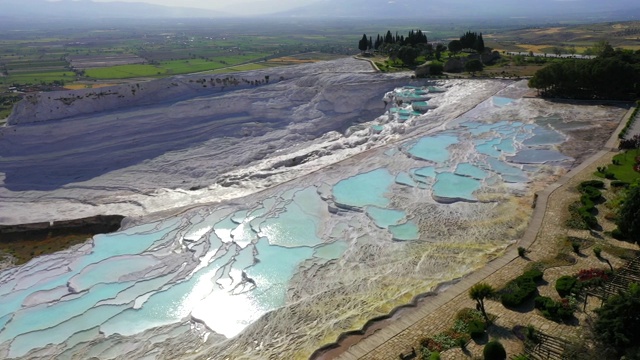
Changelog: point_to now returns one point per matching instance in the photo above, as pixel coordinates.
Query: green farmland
(124, 71)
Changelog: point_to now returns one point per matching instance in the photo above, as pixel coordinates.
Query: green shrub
(619, 184)
(518, 291)
(522, 251)
(587, 217)
(521, 288)
(610, 176)
(587, 202)
(576, 247)
(494, 351)
(476, 329)
(445, 341)
(534, 273)
(598, 184)
(590, 194)
(565, 284)
(467, 315)
(425, 354)
(554, 310)
(520, 357)
(436, 68)
(575, 220)
(434, 356)
(617, 234)
(597, 251)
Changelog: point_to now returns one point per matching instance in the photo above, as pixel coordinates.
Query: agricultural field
(151, 49)
(124, 72)
(569, 38)
(92, 54)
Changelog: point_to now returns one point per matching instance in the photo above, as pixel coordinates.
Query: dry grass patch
(86, 86)
(293, 60)
(536, 48)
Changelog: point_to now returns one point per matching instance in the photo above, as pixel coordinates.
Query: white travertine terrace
(264, 220)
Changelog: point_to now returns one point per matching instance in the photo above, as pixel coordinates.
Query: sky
(233, 6)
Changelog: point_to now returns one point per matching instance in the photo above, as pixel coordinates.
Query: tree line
(470, 41)
(613, 74)
(413, 39)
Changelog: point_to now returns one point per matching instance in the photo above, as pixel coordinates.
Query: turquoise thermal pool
(226, 266)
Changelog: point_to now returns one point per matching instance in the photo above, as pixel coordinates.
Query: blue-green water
(452, 186)
(365, 189)
(405, 232)
(385, 217)
(434, 148)
(230, 265)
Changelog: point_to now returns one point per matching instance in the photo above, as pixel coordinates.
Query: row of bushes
(632, 118)
(568, 285)
(554, 310)
(520, 289)
(590, 194)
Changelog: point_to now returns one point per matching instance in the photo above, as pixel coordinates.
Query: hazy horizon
(291, 7)
(249, 7)
(542, 10)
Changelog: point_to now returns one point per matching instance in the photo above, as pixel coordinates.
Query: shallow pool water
(230, 265)
(377, 129)
(544, 136)
(466, 169)
(426, 172)
(501, 101)
(529, 156)
(433, 148)
(364, 189)
(331, 251)
(449, 187)
(405, 232)
(385, 217)
(405, 179)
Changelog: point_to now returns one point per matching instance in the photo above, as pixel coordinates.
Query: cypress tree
(388, 39)
(479, 45)
(363, 43)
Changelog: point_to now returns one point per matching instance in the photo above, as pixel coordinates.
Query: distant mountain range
(466, 9)
(85, 9)
(358, 9)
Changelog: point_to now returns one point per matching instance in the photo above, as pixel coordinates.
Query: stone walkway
(373, 64)
(437, 313)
